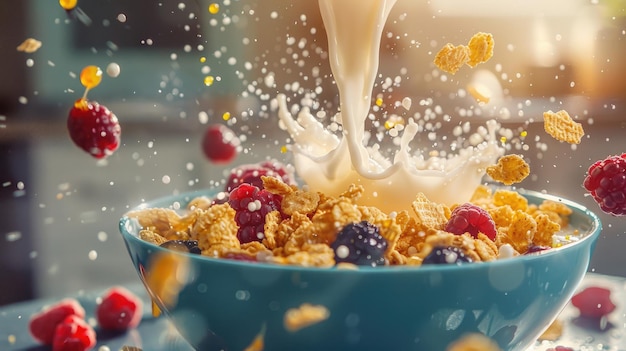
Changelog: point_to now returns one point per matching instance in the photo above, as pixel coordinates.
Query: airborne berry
(220, 144)
(360, 244)
(94, 128)
(469, 218)
(594, 302)
(606, 182)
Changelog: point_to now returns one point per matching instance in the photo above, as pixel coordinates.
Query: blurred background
(187, 64)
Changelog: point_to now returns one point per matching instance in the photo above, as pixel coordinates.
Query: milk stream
(330, 163)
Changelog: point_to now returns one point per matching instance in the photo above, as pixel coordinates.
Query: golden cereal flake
(485, 248)
(29, 45)
(473, 342)
(510, 169)
(276, 186)
(501, 215)
(199, 203)
(151, 237)
(296, 231)
(301, 201)
(216, 227)
(430, 214)
(270, 229)
(561, 127)
(554, 331)
(164, 221)
(451, 58)
(309, 255)
(304, 316)
(546, 228)
(503, 197)
(480, 48)
(520, 232)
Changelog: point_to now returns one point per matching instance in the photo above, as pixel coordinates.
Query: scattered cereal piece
(258, 343)
(510, 169)
(473, 342)
(451, 58)
(561, 127)
(430, 214)
(480, 48)
(554, 331)
(304, 316)
(29, 46)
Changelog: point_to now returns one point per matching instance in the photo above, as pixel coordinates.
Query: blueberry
(446, 255)
(360, 244)
(190, 246)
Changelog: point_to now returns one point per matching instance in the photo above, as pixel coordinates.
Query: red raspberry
(594, 302)
(94, 128)
(606, 182)
(251, 205)
(469, 218)
(43, 324)
(220, 144)
(251, 174)
(560, 348)
(73, 334)
(120, 309)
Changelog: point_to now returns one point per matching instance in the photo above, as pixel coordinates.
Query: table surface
(156, 334)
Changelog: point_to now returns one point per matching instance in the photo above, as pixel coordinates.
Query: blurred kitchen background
(184, 66)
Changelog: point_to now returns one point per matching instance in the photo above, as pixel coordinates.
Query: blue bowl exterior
(390, 308)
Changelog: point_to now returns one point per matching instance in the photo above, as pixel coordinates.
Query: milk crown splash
(330, 164)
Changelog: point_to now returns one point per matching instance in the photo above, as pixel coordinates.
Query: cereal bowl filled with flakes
(271, 266)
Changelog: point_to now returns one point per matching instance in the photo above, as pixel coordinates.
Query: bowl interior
(225, 304)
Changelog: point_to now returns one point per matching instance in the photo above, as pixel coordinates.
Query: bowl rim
(184, 197)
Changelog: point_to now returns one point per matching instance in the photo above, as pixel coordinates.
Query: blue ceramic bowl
(225, 303)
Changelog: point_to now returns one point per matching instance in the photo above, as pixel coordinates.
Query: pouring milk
(330, 163)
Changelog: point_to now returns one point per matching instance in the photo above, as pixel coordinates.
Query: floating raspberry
(360, 244)
(469, 218)
(251, 205)
(446, 255)
(73, 334)
(190, 246)
(220, 144)
(120, 309)
(594, 302)
(560, 348)
(94, 128)
(43, 324)
(251, 174)
(606, 182)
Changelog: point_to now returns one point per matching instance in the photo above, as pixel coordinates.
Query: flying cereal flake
(510, 169)
(480, 48)
(304, 316)
(29, 46)
(451, 58)
(561, 127)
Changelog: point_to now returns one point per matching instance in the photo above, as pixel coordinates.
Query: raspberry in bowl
(232, 299)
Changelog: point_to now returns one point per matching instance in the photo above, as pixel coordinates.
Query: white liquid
(330, 164)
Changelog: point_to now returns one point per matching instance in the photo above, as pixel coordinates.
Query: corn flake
(29, 45)
(510, 169)
(480, 48)
(451, 58)
(304, 316)
(561, 127)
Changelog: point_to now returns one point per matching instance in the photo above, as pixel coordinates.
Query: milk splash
(329, 163)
